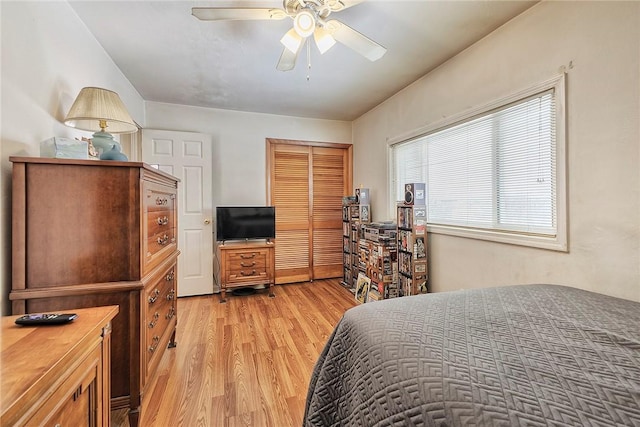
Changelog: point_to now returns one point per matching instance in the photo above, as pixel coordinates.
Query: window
(496, 173)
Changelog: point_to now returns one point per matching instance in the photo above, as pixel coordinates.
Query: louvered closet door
(307, 183)
(328, 168)
(290, 196)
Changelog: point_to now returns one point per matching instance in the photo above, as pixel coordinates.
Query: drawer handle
(163, 221)
(161, 201)
(152, 324)
(169, 277)
(171, 313)
(242, 264)
(244, 256)
(163, 240)
(154, 345)
(171, 295)
(252, 273)
(153, 298)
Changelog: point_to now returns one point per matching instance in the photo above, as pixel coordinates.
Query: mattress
(531, 355)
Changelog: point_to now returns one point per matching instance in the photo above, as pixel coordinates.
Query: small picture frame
(362, 288)
(364, 213)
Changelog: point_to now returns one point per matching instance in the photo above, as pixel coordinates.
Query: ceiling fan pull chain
(308, 60)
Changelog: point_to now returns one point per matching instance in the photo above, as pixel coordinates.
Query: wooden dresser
(91, 233)
(57, 375)
(246, 264)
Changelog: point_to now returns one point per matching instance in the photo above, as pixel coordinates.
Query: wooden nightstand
(246, 264)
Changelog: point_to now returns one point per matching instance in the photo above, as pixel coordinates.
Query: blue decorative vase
(114, 154)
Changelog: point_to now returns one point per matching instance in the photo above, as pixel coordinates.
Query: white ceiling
(170, 56)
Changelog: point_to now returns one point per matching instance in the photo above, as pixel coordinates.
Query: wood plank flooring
(246, 362)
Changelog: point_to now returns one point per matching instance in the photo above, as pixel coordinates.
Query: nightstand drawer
(246, 257)
(247, 275)
(259, 263)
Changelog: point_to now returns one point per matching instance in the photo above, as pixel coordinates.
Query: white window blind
(494, 171)
(411, 157)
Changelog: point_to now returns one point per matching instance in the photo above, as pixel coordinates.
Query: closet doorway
(306, 182)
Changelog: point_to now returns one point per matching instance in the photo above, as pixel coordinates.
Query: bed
(508, 356)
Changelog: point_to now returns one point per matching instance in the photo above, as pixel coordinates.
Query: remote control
(45, 319)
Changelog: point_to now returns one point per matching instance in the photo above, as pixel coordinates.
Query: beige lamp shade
(97, 109)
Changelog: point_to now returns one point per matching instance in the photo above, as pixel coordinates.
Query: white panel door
(187, 156)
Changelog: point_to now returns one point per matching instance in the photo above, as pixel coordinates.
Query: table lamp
(96, 109)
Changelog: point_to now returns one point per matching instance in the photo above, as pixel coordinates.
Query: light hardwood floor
(246, 362)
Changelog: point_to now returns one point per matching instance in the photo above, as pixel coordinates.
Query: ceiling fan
(309, 18)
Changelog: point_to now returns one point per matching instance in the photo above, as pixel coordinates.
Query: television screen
(245, 222)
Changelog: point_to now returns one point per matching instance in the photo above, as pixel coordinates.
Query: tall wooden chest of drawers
(91, 233)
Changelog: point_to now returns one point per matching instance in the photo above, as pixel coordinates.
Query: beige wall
(48, 55)
(239, 156)
(602, 41)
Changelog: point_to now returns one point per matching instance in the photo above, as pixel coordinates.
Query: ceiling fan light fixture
(304, 23)
(292, 41)
(324, 40)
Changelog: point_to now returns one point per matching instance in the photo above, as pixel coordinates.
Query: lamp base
(109, 148)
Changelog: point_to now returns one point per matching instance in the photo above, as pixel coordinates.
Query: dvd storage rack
(356, 210)
(380, 256)
(412, 249)
(350, 217)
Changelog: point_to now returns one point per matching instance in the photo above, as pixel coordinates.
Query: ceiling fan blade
(236, 14)
(355, 40)
(338, 5)
(287, 60)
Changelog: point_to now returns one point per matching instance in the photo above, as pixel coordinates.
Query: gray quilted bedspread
(531, 355)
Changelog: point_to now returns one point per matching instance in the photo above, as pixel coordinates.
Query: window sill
(554, 243)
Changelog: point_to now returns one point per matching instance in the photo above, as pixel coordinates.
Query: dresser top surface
(81, 162)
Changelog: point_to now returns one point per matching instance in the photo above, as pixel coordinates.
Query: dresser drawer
(159, 224)
(161, 199)
(162, 239)
(160, 298)
(162, 293)
(159, 221)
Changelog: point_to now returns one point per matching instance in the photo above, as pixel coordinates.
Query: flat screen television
(245, 222)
